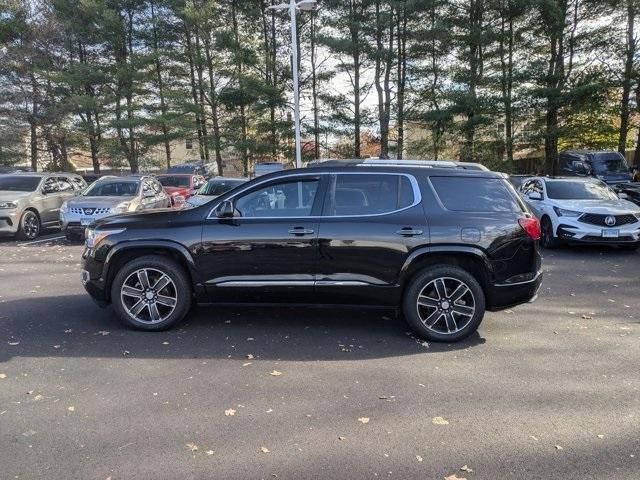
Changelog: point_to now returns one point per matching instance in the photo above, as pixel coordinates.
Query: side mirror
(225, 210)
(534, 196)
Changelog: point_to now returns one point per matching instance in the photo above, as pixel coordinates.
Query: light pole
(293, 6)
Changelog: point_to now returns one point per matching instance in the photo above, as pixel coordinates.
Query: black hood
(161, 216)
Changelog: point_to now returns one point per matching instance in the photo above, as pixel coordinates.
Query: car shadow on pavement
(73, 326)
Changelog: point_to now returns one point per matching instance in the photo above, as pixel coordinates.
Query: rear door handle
(408, 232)
(300, 231)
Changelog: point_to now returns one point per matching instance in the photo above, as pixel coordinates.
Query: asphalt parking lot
(546, 390)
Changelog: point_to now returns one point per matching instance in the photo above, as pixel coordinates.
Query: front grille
(596, 219)
(89, 210)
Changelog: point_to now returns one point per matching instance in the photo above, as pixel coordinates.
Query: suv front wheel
(444, 303)
(151, 293)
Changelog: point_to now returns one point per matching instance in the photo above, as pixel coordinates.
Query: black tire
(155, 265)
(452, 276)
(547, 238)
(29, 226)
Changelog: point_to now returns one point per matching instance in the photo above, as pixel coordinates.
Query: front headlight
(93, 237)
(64, 208)
(561, 212)
(122, 207)
(8, 205)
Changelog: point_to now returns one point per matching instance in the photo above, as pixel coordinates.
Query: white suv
(581, 210)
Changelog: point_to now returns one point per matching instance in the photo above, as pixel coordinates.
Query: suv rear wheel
(151, 293)
(444, 303)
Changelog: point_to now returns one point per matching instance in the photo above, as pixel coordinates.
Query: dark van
(610, 167)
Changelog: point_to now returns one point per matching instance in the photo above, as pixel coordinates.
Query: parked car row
(31, 202)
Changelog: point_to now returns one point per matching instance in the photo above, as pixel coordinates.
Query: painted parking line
(52, 239)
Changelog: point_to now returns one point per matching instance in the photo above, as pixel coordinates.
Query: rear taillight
(531, 226)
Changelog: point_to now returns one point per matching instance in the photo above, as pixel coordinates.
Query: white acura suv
(581, 210)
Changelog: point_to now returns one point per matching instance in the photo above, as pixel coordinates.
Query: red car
(180, 186)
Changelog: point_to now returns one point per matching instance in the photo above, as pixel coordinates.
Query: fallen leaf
(249, 356)
(230, 412)
(419, 458)
(439, 421)
(275, 373)
(364, 420)
(165, 343)
(601, 436)
(264, 449)
(209, 452)
(38, 397)
(340, 437)
(71, 408)
(68, 331)
(246, 364)
(126, 352)
(558, 447)
(13, 344)
(103, 333)
(465, 468)
(587, 317)
(3, 376)
(192, 447)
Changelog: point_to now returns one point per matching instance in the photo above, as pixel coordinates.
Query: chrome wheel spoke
(137, 307)
(131, 292)
(464, 310)
(459, 292)
(452, 326)
(143, 278)
(425, 301)
(440, 288)
(153, 312)
(166, 301)
(431, 320)
(160, 284)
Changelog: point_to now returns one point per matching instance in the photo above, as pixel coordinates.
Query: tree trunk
(314, 89)
(401, 30)
(213, 101)
(354, 31)
(163, 106)
(506, 80)
(194, 91)
(33, 123)
(627, 79)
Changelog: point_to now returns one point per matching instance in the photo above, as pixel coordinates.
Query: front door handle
(408, 232)
(300, 231)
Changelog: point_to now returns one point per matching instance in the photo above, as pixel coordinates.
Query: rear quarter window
(474, 194)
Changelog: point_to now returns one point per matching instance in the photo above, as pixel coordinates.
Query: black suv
(444, 244)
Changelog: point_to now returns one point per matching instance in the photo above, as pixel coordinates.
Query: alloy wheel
(30, 225)
(149, 295)
(446, 305)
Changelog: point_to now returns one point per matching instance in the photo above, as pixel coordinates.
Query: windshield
(175, 181)
(15, 183)
(218, 187)
(112, 189)
(568, 190)
(611, 165)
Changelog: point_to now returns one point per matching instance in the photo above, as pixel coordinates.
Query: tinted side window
(286, 199)
(51, 185)
(369, 194)
(475, 194)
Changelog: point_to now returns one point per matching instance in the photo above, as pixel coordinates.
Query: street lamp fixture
(292, 6)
